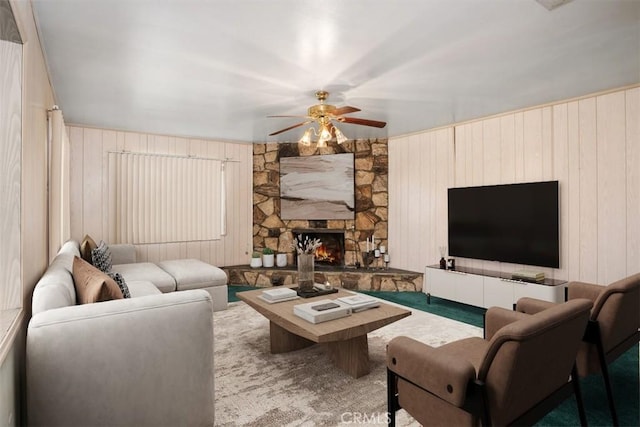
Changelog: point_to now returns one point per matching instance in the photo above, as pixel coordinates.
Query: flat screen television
(516, 223)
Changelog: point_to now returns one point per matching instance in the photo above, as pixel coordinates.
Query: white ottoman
(196, 274)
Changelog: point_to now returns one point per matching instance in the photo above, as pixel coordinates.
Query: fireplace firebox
(331, 252)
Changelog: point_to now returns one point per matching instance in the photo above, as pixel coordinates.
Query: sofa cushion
(91, 284)
(122, 253)
(142, 288)
(87, 245)
(146, 271)
(193, 273)
(101, 257)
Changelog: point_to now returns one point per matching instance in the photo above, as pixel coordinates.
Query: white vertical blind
(160, 198)
(59, 185)
(223, 200)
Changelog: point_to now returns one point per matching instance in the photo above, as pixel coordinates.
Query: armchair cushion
(614, 294)
(496, 317)
(589, 291)
(444, 374)
(532, 306)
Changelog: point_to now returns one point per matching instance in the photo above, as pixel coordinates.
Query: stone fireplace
(338, 262)
(371, 198)
(331, 252)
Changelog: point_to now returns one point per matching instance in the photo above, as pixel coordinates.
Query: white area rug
(303, 388)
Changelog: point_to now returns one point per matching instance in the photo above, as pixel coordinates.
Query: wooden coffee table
(346, 338)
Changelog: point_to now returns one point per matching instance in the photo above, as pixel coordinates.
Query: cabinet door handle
(520, 282)
(456, 272)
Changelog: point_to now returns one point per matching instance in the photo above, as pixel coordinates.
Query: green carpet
(233, 289)
(452, 310)
(624, 372)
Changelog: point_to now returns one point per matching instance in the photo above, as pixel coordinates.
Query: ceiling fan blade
(345, 110)
(290, 127)
(365, 122)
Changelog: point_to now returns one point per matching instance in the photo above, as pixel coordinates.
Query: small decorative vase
(281, 260)
(267, 260)
(305, 272)
(256, 262)
(443, 262)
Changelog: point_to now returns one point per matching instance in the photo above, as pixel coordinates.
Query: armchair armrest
(138, 361)
(122, 253)
(589, 291)
(442, 374)
(497, 317)
(532, 306)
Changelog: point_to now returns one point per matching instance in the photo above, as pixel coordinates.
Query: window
(162, 198)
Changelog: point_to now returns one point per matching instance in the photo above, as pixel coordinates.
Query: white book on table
(360, 302)
(279, 294)
(273, 301)
(313, 311)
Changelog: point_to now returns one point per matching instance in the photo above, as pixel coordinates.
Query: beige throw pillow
(86, 247)
(92, 285)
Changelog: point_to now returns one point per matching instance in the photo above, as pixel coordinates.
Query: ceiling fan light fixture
(324, 115)
(325, 136)
(340, 136)
(306, 138)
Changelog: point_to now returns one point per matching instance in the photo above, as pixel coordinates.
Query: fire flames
(323, 254)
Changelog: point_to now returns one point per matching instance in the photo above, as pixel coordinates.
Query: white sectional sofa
(172, 275)
(144, 360)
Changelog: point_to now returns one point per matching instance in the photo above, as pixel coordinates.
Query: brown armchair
(517, 374)
(613, 326)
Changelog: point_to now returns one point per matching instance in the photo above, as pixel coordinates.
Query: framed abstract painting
(317, 187)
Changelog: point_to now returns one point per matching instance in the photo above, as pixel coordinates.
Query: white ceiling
(217, 68)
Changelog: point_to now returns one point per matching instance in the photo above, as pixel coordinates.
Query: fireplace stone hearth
(360, 279)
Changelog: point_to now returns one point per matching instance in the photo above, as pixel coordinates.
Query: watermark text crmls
(364, 418)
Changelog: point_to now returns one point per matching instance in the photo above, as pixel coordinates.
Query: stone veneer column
(371, 194)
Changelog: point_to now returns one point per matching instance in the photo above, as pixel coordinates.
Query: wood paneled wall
(591, 146)
(37, 97)
(89, 191)
(10, 174)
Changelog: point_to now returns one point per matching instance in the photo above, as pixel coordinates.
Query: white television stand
(485, 288)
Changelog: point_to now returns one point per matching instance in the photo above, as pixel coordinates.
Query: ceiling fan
(324, 115)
